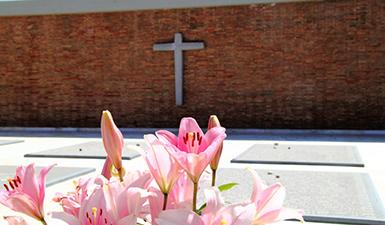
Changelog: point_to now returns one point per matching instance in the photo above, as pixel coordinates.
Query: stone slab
(7, 142)
(296, 154)
(88, 150)
(324, 196)
(56, 175)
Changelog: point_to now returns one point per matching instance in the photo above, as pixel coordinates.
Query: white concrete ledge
(42, 7)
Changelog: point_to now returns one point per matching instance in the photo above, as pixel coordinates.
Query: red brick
(292, 65)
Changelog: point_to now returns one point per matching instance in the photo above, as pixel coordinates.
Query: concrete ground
(370, 144)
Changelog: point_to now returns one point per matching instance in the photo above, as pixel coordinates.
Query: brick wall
(292, 65)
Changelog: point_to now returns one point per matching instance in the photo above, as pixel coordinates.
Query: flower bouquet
(165, 194)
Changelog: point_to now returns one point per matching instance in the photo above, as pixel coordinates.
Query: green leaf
(226, 187)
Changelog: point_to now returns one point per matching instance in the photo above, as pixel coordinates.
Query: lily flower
(192, 149)
(215, 213)
(214, 122)
(268, 201)
(113, 144)
(162, 166)
(112, 204)
(71, 202)
(25, 192)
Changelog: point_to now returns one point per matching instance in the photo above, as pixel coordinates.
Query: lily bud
(214, 122)
(112, 140)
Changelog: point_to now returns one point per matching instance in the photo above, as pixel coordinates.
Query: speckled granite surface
(277, 153)
(91, 150)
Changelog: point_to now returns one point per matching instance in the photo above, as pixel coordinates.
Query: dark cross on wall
(178, 46)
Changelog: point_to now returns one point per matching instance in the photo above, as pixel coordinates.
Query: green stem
(213, 177)
(43, 221)
(194, 206)
(165, 197)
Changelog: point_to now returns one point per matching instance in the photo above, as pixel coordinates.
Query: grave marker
(7, 142)
(296, 154)
(88, 150)
(324, 196)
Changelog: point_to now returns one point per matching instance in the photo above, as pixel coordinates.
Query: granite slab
(296, 154)
(88, 150)
(331, 197)
(7, 142)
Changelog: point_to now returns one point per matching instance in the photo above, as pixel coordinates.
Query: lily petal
(287, 214)
(258, 186)
(24, 204)
(30, 184)
(179, 217)
(167, 136)
(41, 181)
(214, 200)
(66, 218)
(106, 171)
(128, 220)
(272, 198)
(15, 220)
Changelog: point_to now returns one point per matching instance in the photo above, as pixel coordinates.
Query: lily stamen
(10, 183)
(185, 138)
(15, 183)
(191, 136)
(97, 218)
(199, 138)
(193, 140)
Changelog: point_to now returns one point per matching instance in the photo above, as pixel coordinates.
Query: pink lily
(214, 122)
(180, 196)
(25, 192)
(113, 144)
(162, 166)
(268, 201)
(193, 150)
(15, 220)
(112, 204)
(72, 201)
(215, 213)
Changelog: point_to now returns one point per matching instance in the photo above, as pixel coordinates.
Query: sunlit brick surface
(291, 65)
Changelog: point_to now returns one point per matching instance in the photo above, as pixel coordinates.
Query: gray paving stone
(88, 150)
(324, 196)
(7, 142)
(56, 175)
(328, 155)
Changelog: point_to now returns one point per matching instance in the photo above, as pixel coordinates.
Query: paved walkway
(370, 144)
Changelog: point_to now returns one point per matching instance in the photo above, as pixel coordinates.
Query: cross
(178, 46)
